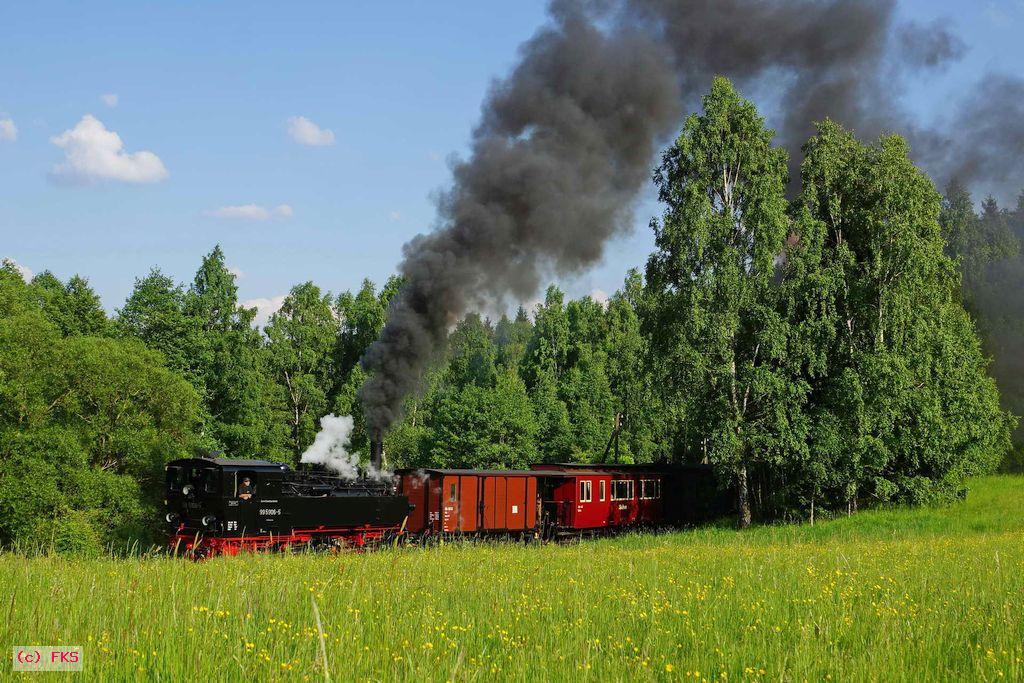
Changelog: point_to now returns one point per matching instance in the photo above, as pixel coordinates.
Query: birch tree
(716, 330)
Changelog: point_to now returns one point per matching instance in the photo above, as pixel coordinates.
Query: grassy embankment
(913, 595)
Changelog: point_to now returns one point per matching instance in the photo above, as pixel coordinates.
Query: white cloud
(394, 216)
(26, 273)
(236, 272)
(93, 153)
(251, 212)
(8, 131)
(265, 308)
(600, 296)
(109, 99)
(305, 132)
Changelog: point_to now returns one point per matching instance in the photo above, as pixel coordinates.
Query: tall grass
(894, 595)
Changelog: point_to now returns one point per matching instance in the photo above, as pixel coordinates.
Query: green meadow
(885, 595)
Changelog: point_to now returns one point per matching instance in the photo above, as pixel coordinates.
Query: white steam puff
(330, 449)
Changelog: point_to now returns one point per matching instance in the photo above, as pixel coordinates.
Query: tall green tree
(479, 415)
(712, 283)
(73, 307)
(555, 442)
(301, 338)
(901, 405)
(361, 318)
(629, 380)
(548, 348)
(542, 366)
(512, 335)
(584, 385)
(156, 312)
(231, 362)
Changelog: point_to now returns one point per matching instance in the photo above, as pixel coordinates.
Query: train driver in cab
(245, 490)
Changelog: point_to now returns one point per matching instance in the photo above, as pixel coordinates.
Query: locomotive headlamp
(208, 520)
(187, 489)
(171, 517)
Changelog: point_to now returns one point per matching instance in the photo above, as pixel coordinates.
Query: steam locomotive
(211, 512)
(221, 506)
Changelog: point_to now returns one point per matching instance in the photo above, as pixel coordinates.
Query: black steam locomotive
(220, 506)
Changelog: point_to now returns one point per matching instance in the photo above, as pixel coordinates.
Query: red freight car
(586, 496)
(472, 501)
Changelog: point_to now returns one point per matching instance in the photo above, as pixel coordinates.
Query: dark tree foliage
(987, 246)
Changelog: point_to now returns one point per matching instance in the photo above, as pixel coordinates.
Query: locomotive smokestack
(376, 451)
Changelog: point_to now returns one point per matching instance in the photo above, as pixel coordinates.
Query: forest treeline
(820, 351)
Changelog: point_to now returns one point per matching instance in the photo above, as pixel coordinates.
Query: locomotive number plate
(270, 512)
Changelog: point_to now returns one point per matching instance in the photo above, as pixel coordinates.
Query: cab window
(205, 479)
(240, 486)
(175, 477)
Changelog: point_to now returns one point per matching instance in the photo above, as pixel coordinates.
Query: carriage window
(622, 489)
(602, 489)
(586, 491)
(453, 493)
(650, 488)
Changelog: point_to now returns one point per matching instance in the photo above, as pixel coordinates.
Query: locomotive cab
(209, 496)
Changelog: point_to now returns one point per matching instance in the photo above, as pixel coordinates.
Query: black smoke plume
(982, 143)
(563, 147)
(565, 141)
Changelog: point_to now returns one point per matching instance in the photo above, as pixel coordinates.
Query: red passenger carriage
(592, 497)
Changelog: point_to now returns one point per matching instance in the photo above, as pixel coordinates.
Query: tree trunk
(744, 497)
(812, 510)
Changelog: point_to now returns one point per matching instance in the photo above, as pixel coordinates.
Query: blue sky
(209, 89)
